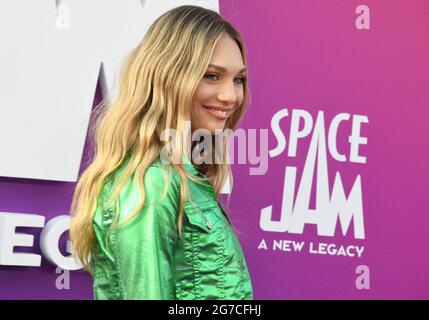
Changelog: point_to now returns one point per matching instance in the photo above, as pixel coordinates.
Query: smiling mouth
(217, 113)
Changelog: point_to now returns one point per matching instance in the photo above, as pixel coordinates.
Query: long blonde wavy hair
(157, 83)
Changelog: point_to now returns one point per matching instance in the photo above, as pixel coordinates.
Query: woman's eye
(210, 76)
(213, 76)
(241, 80)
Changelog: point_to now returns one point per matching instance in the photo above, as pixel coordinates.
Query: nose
(227, 94)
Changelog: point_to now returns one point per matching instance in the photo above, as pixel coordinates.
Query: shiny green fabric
(146, 258)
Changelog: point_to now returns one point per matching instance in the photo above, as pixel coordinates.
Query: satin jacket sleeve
(141, 253)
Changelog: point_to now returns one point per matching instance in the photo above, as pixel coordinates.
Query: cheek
(204, 92)
(196, 113)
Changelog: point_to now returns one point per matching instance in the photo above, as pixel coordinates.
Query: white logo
(331, 205)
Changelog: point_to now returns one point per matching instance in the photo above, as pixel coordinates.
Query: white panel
(49, 75)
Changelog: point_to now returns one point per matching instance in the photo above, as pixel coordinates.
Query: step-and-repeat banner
(330, 197)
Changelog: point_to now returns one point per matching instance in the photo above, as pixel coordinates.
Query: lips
(218, 112)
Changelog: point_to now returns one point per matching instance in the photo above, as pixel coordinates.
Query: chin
(213, 129)
(210, 127)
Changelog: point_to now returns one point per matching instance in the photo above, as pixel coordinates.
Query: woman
(155, 230)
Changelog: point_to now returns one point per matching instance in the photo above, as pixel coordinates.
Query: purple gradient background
(308, 55)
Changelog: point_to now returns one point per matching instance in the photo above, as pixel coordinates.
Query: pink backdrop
(309, 55)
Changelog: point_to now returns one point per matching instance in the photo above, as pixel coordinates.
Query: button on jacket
(146, 258)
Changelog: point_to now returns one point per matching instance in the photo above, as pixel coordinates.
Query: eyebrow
(224, 69)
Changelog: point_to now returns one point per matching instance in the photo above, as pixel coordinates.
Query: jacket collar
(189, 166)
(191, 169)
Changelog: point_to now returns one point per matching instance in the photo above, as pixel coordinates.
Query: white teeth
(222, 113)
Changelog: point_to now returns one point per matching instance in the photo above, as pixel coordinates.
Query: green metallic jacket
(146, 258)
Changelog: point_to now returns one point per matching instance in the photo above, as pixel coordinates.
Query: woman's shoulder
(159, 167)
(157, 175)
(153, 172)
(160, 186)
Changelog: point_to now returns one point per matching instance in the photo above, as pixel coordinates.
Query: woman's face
(220, 91)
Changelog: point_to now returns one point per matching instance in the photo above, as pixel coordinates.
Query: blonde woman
(144, 227)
